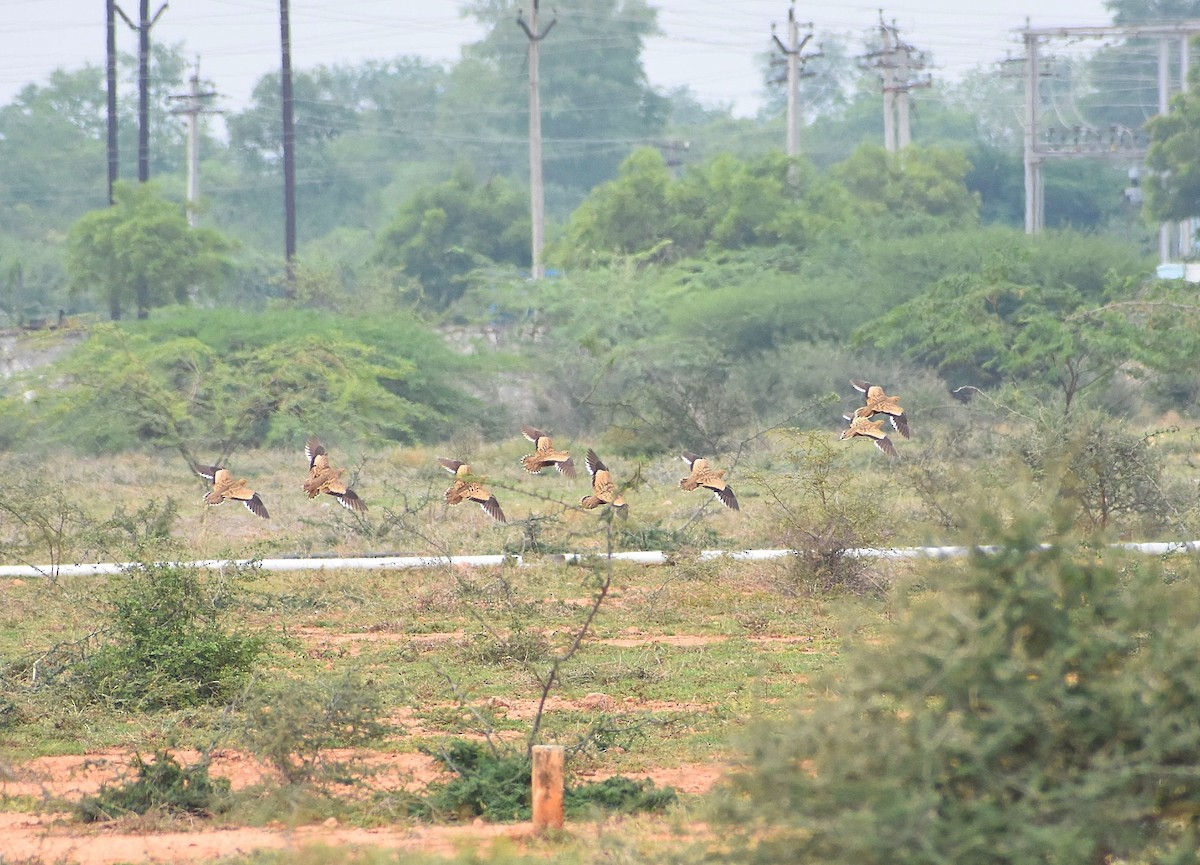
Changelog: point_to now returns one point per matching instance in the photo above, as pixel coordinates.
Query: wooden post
(548, 787)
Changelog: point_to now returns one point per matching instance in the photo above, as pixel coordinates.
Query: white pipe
(373, 563)
(641, 557)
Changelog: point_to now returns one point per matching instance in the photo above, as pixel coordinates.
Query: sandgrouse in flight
(604, 490)
(224, 486)
(467, 488)
(544, 454)
(862, 425)
(704, 475)
(323, 478)
(881, 403)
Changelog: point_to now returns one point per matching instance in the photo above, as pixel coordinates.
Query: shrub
(161, 785)
(496, 785)
(823, 516)
(487, 783)
(1111, 477)
(168, 645)
(1039, 706)
(294, 726)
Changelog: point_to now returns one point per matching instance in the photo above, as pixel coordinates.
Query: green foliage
(294, 726)
(722, 204)
(822, 515)
(51, 140)
(444, 232)
(1034, 704)
(496, 786)
(40, 522)
(1035, 312)
(618, 794)
(486, 784)
(162, 785)
(899, 190)
(190, 379)
(1112, 478)
(1173, 181)
(142, 252)
(167, 644)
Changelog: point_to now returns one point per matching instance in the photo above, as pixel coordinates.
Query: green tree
(1030, 705)
(360, 130)
(444, 232)
(597, 102)
(1036, 312)
(724, 204)
(1173, 182)
(899, 188)
(52, 153)
(191, 380)
(141, 250)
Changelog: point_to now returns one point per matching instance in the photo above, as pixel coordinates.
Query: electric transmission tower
(1045, 142)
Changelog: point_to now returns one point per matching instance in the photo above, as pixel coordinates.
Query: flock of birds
(324, 479)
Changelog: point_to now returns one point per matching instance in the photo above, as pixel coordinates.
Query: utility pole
(897, 60)
(145, 22)
(289, 148)
(1034, 201)
(1187, 226)
(537, 197)
(1164, 103)
(193, 108)
(795, 62)
(111, 85)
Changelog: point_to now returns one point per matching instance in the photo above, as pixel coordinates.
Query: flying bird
(880, 403)
(704, 475)
(604, 490)
(226, 487)
(323, 478)
(467, 488)
(862, 425)
(544, 454)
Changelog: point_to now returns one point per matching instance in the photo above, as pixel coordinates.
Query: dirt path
(29, 837)
(55, 837)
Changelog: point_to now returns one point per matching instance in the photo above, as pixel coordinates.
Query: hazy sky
(710, 45)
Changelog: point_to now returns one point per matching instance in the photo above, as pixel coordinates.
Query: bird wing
(238, 490)
(565, 466)
(689, 458)
(885, 444)
(860, 385)
(312, 448)
(483, 497)
(209, 473)
(900, 422)
(492, 508)
(530, 433)
(725, 494)
(255, 505)
(349, 499)
(451, 466)
(593, 464)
